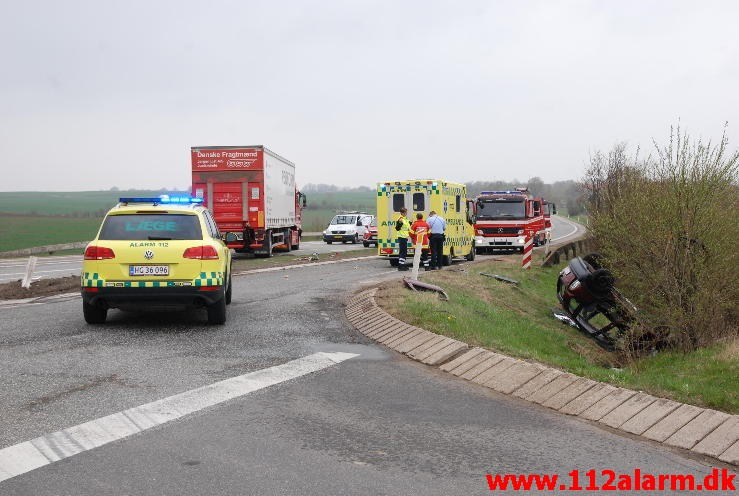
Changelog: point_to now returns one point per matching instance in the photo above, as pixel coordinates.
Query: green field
(74, 203)
(24, 232)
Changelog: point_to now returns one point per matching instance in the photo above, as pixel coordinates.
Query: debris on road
(415, 285)
(500, 278)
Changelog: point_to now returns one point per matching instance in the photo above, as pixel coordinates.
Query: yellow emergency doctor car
(157, 253)
(446, 198)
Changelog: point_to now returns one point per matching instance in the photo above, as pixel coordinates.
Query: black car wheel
(93, 313)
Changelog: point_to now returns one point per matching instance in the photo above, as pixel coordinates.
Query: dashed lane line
(45, 450)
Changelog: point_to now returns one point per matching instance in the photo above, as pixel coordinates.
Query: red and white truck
(505, 218)
(251, 192)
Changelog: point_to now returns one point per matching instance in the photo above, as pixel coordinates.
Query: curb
(699, 430)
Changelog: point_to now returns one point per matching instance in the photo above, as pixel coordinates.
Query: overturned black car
(590, 300)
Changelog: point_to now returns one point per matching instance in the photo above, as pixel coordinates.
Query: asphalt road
(376, 423)
(13, 269)
(61, 266)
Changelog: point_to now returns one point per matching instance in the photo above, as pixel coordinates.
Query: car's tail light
(205, 252)
(208, 288)
(387, 250)
(93, 252)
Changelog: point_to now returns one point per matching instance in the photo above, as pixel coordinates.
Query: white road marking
(574, 229)
(30, 455)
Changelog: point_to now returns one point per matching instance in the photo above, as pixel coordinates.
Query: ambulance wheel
(393, 262)
(93, 313)
(471, 255)
(217, 312)
(229, 290)
(446, 260)
(356, 239)
(366, 244)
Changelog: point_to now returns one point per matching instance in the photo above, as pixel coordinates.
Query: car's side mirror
(230, 237)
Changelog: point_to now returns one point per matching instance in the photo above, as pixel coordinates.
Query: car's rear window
(150, 226)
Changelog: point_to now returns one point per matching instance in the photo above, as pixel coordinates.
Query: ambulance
(447, 199)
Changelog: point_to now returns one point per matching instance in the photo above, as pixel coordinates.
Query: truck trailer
(251, 192)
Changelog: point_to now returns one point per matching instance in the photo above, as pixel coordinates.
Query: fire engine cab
(505, 218)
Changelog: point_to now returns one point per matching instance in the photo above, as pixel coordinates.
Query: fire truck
(251, 192)
(505, 218)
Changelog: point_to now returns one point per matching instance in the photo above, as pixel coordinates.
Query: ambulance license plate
(148, 270)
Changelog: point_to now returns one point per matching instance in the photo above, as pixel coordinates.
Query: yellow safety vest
(405, 228)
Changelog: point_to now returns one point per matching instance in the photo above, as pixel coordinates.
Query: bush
(667, 228)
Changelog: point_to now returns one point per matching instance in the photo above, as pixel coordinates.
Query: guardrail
(568, 251)
(24, 252)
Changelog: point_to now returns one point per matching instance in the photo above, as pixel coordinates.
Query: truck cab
(504, 219)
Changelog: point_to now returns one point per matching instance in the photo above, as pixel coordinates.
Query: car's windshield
(150, 226)
(373, 223)
(492, 210)
(344, 219)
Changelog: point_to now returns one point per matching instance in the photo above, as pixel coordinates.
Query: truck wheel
(356, 239)
(229, 290)
(393, 262)
(366, 244)
(217, 312)
(93, 313)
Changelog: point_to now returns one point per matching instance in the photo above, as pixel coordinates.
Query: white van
(349, 226)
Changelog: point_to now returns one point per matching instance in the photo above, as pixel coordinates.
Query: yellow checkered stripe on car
(384, 243)
(147, 284)
(91, 280)
(209, 279)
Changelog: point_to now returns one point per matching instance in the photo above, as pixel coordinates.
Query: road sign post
(30, 267)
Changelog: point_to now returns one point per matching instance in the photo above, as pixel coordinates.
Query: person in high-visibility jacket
(420, 229)
(403, 229)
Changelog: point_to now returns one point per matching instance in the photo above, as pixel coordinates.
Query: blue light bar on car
(183, 200)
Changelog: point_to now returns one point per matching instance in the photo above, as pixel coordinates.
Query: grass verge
(517, 321)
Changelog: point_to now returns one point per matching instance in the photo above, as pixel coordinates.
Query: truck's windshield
(497, 210)
(137, 227)
(343, 219)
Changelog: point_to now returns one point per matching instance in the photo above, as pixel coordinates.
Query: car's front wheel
(217, 312)
(93, 313)
(366, 244)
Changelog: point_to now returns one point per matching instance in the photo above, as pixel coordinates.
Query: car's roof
(149, 207)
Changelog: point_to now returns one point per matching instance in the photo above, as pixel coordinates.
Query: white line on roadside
(30, 455)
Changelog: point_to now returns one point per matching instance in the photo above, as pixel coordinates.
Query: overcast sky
(102, 93)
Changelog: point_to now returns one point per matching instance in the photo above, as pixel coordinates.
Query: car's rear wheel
(93, 313)
(229, 290)
(217, 312)
(329, 242)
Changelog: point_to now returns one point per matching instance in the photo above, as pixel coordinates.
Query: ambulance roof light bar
(163, 199)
